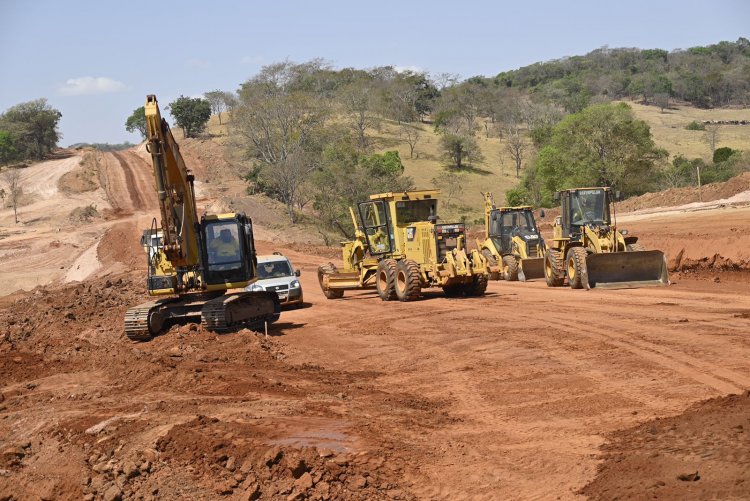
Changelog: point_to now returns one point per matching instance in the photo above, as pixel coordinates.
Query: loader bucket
(531, 268)
(627, 270)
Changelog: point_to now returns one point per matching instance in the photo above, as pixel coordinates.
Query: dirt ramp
(703, 453)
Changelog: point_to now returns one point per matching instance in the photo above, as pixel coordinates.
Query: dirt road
(506, 396)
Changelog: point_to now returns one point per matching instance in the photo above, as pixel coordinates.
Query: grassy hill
(496, 172)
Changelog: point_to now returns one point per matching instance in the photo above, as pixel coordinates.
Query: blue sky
(95, 61)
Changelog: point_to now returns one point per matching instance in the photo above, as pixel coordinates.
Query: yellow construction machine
(588, 250)
(513, 248)
(399, 249)
(193, 263)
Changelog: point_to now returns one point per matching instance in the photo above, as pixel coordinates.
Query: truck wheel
(576, 267)
(328, 269)
(635, 247)
(386, 279)
(553, 269)
(477, 286)
(453, 290)
(408, 280)
(491, 261)
(510, 268)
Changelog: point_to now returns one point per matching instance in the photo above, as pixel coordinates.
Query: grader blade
(531, 269)
(627, 270)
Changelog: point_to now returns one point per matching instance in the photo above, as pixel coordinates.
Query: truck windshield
(589, 207)
(414, 211)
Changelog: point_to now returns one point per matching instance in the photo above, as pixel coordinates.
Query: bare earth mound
(703, 453)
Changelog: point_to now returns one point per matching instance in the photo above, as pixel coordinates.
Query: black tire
(453, 290)
(575, 267)
(491, 261)
(477, 286)
(328, 269)
(553, 268)
(635, 247)
(408, 280)
(510, 268)
(385, 281)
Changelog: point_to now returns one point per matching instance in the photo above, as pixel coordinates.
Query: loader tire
(385, 281)
(491, 261)
(576, 267)
(553, 268)
(510, 268)
(477, 286)
(408, 280)
(635, 247)
(328, 269)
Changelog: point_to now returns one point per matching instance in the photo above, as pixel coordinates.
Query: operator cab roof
(407, 195)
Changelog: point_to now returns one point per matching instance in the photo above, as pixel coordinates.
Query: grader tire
(510, 268)
(478, 286)
(491, 261)
(328, 269)
(408, 281)
(576, 267)
(553, 268)
(635, 247)
(385, 281)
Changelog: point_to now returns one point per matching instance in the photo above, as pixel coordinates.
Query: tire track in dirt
(128, 182)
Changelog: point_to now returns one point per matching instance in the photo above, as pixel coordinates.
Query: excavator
(194, 263)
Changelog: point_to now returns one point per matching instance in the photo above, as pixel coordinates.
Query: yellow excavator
(194, 263)
(589, 251)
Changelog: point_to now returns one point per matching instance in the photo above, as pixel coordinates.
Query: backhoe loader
(513, 249)
(193, 263)
(588, 250)
(399, 249)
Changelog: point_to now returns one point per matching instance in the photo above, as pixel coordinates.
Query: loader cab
(228, 250)
(509, 222)
(584, 207)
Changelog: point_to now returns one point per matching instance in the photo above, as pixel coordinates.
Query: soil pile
(703, 453)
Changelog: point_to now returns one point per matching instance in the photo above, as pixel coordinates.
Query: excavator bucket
(627, 270)
(531, 269)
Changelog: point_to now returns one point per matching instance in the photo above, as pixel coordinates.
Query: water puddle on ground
(313, 432)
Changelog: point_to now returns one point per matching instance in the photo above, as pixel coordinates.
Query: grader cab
(399, 249)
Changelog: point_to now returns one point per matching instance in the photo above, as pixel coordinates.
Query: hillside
(496, 172)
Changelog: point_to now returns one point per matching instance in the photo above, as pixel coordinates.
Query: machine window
(414, 211)
(223, 246)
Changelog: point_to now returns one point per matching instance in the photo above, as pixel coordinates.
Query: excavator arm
(176, 193)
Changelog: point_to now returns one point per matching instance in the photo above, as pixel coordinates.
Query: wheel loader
(400, 249)
(513, 249)
(589, 251)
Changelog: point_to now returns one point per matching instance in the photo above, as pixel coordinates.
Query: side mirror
(556, 196)
(297, 273)
(541, 213)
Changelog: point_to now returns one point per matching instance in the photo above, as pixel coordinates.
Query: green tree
(137, 121)
(33, 127)
(460, 150)
(7, 148)
(603, 145)
(191, 114)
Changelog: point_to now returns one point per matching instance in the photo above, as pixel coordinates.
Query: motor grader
(513, 249)
(400, 249)
(588, 250)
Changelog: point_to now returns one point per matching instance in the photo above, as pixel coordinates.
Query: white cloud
(251, 59)
(91, 85)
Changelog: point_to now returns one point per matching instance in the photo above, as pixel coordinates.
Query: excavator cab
(229, 251)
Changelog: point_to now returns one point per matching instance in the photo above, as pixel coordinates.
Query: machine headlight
(624, 232)
(294, 284)
(257, 288)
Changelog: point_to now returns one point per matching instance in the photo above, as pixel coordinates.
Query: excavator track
(250, 309)
(138, 320)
